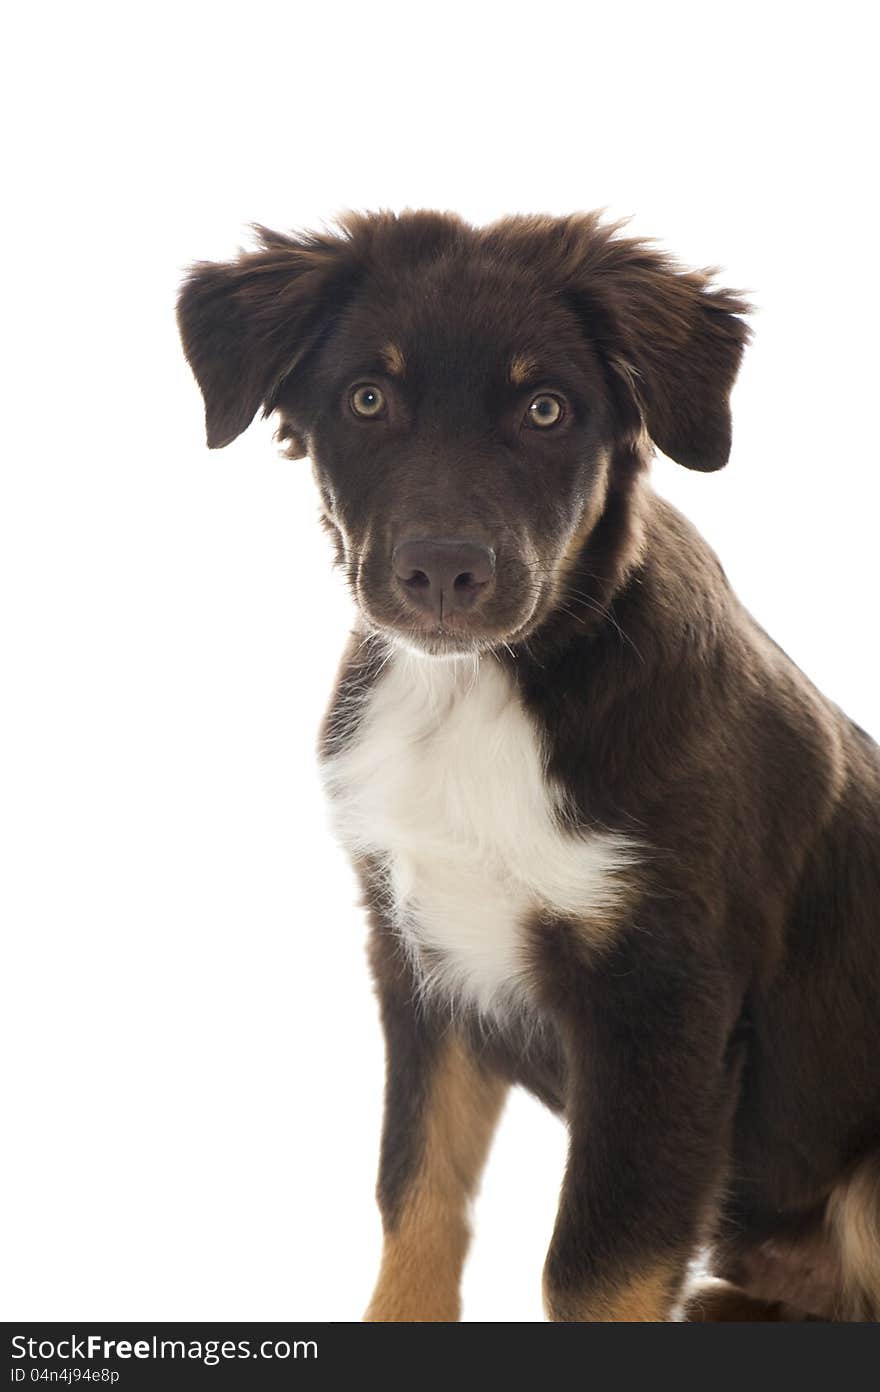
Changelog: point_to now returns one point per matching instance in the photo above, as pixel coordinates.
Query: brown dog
(615, 846)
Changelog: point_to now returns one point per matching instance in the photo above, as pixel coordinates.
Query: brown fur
(646, 1298)
(394, 360)
(426, 1239)
(854, 1221)
(522, 367)
(716, 1061)
(718, 1302)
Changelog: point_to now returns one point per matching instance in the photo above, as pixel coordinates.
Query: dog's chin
(449, 642)
(439, 643)
(434, 641)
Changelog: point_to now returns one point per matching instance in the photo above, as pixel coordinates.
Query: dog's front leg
(651, 1088)
(441, 1107)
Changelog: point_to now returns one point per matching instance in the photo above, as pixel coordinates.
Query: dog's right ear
(246, 324)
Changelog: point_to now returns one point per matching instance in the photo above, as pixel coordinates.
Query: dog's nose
(441, 575)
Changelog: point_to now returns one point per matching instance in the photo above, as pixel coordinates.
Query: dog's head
(464, 394)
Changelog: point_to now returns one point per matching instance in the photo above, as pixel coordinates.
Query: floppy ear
(670, 342)
(676, 343)
(246, 324)
(673, 340)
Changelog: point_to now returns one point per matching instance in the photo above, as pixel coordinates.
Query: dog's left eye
(367, 400)
(545, 410)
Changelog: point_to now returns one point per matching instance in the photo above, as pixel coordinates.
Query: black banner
(98, 1355)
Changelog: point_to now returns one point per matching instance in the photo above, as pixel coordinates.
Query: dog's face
(458, 426)
(464, 396)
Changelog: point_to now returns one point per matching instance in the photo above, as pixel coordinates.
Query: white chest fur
(444, 782)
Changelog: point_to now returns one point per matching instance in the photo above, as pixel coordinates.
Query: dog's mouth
(452, 636)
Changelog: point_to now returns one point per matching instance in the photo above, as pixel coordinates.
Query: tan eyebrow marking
(393, 359)
(522, 366)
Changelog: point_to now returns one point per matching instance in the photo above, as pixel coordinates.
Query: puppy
(615, 847)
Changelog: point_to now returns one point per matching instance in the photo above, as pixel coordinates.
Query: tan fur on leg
(854, 1219)
(648, 1297)
(424, 1251)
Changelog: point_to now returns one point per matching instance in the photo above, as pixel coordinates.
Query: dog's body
(615, 846)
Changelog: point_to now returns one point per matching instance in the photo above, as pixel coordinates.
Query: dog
(615, 847)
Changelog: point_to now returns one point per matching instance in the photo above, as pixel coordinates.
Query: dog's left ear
(246, 324)
(672, 340)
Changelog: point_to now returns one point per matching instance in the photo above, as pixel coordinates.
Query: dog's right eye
(367, 401)
(546, 410)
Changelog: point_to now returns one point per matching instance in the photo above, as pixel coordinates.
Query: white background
(192, 1055)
